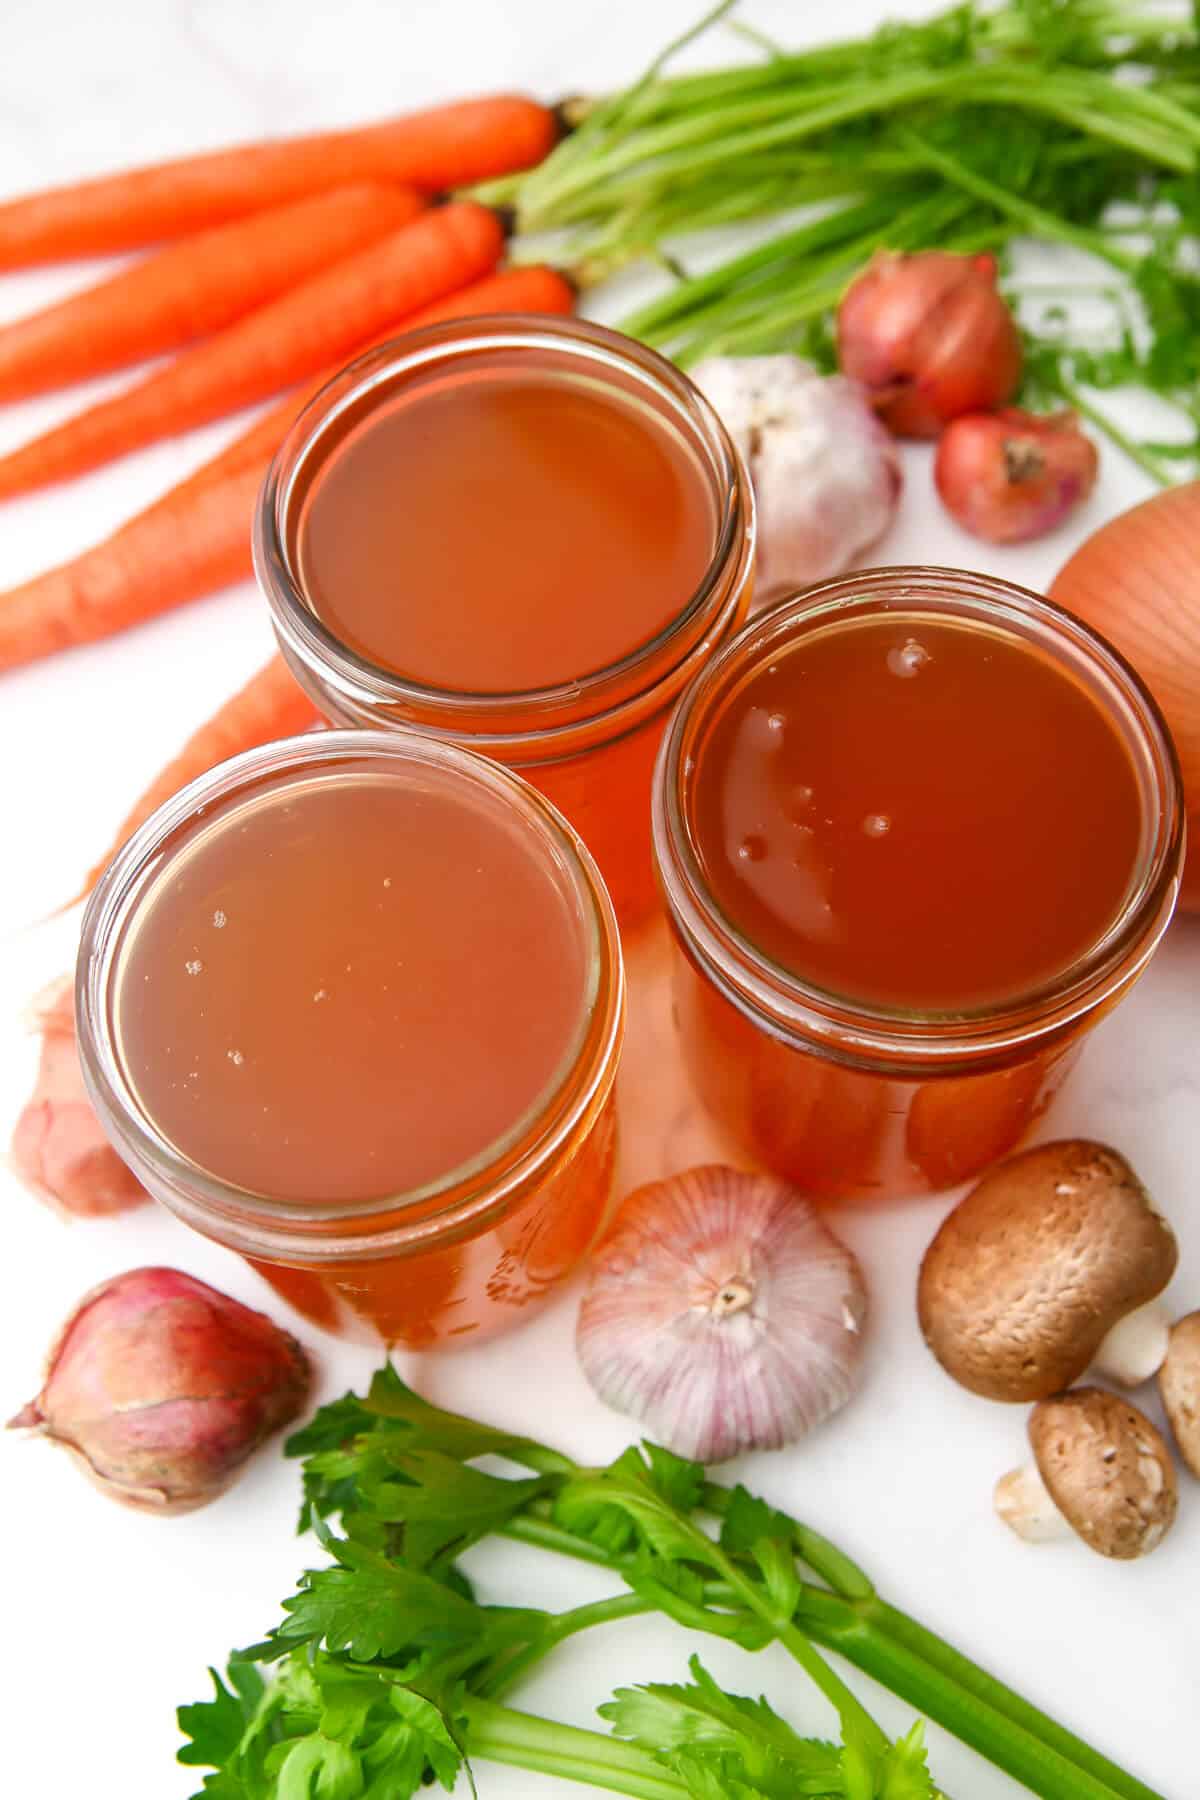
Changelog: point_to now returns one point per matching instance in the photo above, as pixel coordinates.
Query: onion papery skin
(1137, 582)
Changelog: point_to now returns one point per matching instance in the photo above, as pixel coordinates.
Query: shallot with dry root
(724, 1313)
(826, 475)
(162, 1388)
(1009, 476)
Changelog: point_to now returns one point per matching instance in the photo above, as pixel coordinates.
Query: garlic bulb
(826, 473)
(724, 1313)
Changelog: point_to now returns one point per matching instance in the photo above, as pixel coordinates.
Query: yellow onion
(1137, 582)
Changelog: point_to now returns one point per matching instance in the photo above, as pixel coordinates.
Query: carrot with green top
(322, 320)
(196, 538)
(194, 288)
(436, 150)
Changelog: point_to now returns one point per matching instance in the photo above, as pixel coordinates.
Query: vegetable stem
(918, 1640)
(500, 1734)
(559, 1627)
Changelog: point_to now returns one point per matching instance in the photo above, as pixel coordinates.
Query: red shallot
(930, 336)
(162, 1388)
(1010, 476)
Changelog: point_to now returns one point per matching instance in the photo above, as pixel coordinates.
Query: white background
(109, 1618)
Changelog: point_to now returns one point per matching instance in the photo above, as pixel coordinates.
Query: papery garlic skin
(724, 1313)
(826, 474)
(162, 1388)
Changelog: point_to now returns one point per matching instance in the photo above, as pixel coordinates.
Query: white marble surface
(111, 1619)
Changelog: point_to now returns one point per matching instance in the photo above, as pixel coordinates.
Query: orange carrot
(442, 148)
(532, 288)
(271, 705)
(320, 321)
(193, 288)
(196, 538)
(169, 553)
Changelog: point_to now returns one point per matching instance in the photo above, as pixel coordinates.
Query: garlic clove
(724, 1313)
(826, 474)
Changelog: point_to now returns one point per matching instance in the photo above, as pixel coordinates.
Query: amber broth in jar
(520, 535)
(916, 814)
(365, 1005)
(346, 992)
(504, 532)
(918, 830)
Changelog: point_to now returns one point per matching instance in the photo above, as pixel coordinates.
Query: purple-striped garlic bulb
(724, 1313)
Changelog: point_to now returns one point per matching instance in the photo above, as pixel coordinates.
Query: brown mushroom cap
(1179, 1385)
(1107, 1469)
(1038, 1262)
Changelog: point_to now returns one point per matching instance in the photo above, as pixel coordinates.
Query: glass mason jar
(848, 1099)
(470, 1252)
(589, 743)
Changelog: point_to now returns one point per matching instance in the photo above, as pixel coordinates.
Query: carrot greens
(389, 1672)
(1070, 123)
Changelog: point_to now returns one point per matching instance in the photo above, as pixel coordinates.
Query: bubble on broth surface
(908, 659)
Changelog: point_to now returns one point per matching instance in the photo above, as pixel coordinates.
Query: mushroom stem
(1023, 1501)
(1136, 1347)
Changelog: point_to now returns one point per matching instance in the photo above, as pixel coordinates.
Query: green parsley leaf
(432, 1428)
(317, 1768)
(748, 1519)
(906, 1769)
(372, 1608)
(706, 1779)
(441, 1501)
(759, 1746)
(216, 1727)
(901, 1772)
(778, 1568)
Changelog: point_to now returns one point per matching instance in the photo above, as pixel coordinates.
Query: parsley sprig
(387, 1671)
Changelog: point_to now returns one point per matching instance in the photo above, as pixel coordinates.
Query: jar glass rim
(849, 1027)
(479, 1186)
(305, 636)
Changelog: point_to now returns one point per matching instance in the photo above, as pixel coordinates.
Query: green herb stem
(850, 1710)
(500, 1734)
(1035, 218)
(822, 1557)
(917, 1640)
(508, 1671)
(903, 1655)
(962, 1699)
